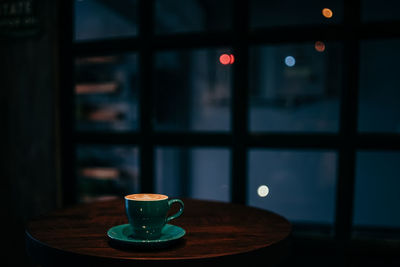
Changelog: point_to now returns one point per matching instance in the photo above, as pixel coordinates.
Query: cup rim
(164, 197)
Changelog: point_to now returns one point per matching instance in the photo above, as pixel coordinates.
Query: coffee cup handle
(180, 211)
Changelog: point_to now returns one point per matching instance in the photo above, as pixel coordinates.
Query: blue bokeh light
(290, 61)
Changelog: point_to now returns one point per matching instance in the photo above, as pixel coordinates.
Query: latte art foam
(146, 197)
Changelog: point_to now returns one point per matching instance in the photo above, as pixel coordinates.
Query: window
(98, 19)
(295, 88)
(106, 93)
(379, 109)
(192, 91)
(377, 175)
(284, 111)
(301, 184)
(201, 173)
(104, 171)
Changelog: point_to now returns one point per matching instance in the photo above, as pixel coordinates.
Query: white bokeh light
(263, 191)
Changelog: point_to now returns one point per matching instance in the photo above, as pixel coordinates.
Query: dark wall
(28, 86)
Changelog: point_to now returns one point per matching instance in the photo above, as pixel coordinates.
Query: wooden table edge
(48, 255)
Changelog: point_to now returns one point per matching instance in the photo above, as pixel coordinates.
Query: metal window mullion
(146, 54)
(239, 105)
(348, 124)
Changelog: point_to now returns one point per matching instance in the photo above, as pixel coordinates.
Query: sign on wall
(18, 18)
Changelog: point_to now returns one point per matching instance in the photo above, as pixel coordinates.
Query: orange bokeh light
(319, 46)
(226, 59)
(327, 13)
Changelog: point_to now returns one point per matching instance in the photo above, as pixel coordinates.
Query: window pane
(294, 12)
(377, 196)
(373, 10)
(100, 19)
(106, 92)
(179, 16)
(295, 87)
(193, 90)
(105, 171)
(379, 109)
(201, 173)
(301, 184)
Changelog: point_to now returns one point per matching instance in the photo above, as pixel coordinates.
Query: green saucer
(122, 234)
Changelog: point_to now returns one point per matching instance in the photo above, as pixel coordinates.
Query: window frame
(346, 142)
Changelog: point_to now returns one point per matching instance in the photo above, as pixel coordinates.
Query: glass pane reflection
(372, 10)
(379, 109)
(183, 16)
(301, 184)
(377, 198)
(101, 19)
(201, 173)
(105, 171)
(192, 90)
(295, 87)
(106, 93)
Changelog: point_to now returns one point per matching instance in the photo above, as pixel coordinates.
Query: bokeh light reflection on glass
(319, 46)
(226, 59)
(327, 13)
(263, 191)
(290, 61)
(232, 58)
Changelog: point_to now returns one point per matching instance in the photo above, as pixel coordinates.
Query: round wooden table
(216, 233)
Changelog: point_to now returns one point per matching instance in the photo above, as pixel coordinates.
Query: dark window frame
(239, 140)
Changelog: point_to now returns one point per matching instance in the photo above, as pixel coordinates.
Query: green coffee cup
(147, 214)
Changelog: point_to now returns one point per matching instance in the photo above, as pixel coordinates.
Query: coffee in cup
(147, 214)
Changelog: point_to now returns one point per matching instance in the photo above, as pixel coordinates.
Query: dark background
(38, 164)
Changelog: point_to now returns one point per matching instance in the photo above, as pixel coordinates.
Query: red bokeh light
(232, 58)
(226, 59)
(319, 46)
